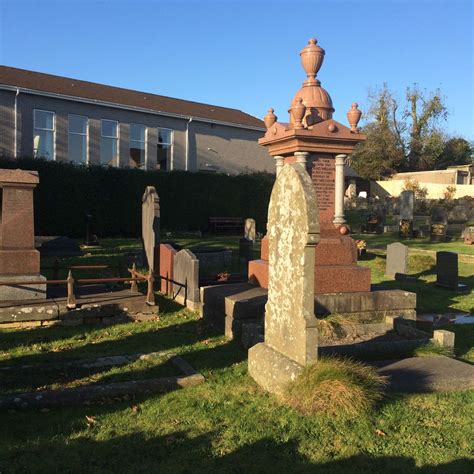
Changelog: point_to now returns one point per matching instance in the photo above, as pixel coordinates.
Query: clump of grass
(337, 387)
(433, 349)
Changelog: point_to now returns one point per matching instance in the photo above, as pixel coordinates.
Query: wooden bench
(226, 224)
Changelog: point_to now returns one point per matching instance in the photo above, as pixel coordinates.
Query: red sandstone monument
(19, 261)
(322, 144)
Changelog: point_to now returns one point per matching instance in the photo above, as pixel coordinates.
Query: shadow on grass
(181, 452)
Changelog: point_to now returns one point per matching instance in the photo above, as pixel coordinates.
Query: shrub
(414, 185)
(113, 197)
(449, 193)
(337, 387)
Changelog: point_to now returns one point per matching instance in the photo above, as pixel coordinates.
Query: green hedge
(113, 197)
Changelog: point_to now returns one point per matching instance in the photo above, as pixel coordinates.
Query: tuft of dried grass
(336, 386)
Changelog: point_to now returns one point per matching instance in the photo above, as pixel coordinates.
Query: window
(43, 134)
(109, 142)
(78, 130)
(164, 149)
(137, 145)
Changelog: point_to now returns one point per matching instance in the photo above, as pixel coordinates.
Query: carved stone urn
(312, 57)
(270, 118)
(353, 116)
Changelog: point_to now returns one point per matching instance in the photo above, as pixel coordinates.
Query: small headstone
(151, 228)
(186, 279)
(291, 334)
(439, 224)
(469, 235)
(374, 224)
(250, 232)
(447, 271)
(91, 239)
(397, 260)
(407, 204)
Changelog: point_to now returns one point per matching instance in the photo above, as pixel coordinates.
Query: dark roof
(38, 81)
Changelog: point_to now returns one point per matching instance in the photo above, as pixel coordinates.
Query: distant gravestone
(186, 279)
(291, 334)
(250, 231)
(407, 205)
(151, 228)
(439, 224)
(447, 271)
(397, 260)
(468, 235)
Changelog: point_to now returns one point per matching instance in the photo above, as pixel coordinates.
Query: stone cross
(291, 334)
(151, 228)
(250, 232)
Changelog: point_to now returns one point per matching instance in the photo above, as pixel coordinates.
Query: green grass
(225, 425)
(380, 241)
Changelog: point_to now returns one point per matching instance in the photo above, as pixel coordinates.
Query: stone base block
(341, 279)
(23, 292)
(258, 272)
(271, 369)
(340, 250)
(19, 262)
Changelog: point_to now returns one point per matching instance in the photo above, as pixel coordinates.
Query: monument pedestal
(27, 291)
(271, 369)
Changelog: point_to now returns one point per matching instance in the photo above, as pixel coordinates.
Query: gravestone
(151, 228)
(397, 260)
(407, 204)
(468, 235)
(291, 334)
(250, 232)
(447, 271)
(186, 279)
(439, 224)
(19, 261)
(91, 239)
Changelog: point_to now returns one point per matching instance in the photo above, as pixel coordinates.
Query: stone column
(302, 157)
(339, 191)
(279, 162)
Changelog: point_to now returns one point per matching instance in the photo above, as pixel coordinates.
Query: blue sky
(245, 54)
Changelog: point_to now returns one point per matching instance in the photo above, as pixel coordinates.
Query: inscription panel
(323, 176)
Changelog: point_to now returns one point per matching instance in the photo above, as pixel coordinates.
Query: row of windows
(44, 124)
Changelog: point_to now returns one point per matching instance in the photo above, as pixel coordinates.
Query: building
(462, 174)
(64, 119)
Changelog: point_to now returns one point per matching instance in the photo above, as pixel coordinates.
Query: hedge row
(113, 196)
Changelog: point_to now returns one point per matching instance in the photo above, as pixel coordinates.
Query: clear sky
(245, 54)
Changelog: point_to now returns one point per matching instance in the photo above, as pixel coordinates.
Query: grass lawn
(380, 241)
(225, 425)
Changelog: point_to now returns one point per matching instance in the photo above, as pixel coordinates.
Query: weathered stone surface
(407, 204)
(427, 374)
(250, 230)
(167, 253)
(397, 259)
(151, 227)
(23, 291)
(251, 333)
(444, 338)
(291, 333)
(186, 279)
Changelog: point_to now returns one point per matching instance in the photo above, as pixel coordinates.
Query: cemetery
(234, 336)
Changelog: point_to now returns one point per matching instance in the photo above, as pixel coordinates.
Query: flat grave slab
(427, 374)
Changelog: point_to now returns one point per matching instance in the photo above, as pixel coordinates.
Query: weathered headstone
(250, 230)
(151, 228)
(397, 260)
(167, 253)
(447, 271)
(407, 204)
(291, 334)
(439, 224)
(186, 279)
(468, 235)
(19, 261)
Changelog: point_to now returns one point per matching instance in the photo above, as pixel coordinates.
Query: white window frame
(143, 166)
(117, 138)
(81, 134)
(171, 164)
(46, 129)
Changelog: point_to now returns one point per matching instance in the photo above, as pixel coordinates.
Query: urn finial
(312, 57)
(353, 116)
(297, 112)
(270, 118)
